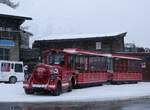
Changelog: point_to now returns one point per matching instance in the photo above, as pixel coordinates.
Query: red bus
(65, 69)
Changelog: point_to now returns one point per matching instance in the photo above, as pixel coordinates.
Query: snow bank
(15, 93)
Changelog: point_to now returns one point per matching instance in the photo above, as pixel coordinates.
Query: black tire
(58, 90)
(133, 82)
(29, 91)
(12, 80)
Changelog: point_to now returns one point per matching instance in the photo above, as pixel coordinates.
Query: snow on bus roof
(126, 57)
(78, 51)
(7, 61)
(6, 10)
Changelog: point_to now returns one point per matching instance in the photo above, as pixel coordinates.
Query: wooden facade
(106, 43)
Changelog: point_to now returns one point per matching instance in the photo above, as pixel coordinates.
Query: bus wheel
(12, 80)
(58, 90)
(28, 91)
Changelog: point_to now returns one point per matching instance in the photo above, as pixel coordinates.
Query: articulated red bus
(65, 69)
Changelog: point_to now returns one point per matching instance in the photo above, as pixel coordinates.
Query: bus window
(92, 64)
(56, 58)
(97, 64)
(102, 64)
(71, 61)
(5, 67)
(18, 68)
(134, 66)
(82, 68)
(120, 65)
(81, 63)
(109, 65)
(77, 62)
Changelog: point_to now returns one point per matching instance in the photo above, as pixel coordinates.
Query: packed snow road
(15, 93)
(136, 104)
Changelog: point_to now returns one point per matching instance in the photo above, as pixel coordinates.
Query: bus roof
(7, 61)
(94, 53)
(85, 52)
(125, 57)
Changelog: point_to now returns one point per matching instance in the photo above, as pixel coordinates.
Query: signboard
(5, 43)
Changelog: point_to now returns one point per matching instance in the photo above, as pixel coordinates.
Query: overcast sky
(59, 17)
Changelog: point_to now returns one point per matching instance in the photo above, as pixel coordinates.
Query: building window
(2, 28)
(4, 54)
(98, 45)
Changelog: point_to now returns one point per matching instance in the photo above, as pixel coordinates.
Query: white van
(11, 71)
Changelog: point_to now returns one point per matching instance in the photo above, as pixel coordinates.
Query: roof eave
(16, 17)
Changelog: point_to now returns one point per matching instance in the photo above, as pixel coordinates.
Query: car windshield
(56, 58)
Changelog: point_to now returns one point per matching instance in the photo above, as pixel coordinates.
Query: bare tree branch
(10, 3)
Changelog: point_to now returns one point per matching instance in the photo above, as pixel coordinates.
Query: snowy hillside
(15, 93)
(61, 17)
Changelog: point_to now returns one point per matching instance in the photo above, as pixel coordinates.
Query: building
(11, 35)
(131, 47)
(104, 43)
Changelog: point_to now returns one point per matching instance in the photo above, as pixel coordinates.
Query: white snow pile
(15, 93)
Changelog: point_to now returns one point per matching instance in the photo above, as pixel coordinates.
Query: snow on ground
(15, 93)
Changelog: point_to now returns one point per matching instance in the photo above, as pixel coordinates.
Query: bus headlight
(54, 71)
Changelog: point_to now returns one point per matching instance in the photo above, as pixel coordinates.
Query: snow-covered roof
(6, 10)
(75, 36)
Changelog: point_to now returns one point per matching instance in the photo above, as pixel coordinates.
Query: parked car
(11, 71)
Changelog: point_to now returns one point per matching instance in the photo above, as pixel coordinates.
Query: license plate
(38, 85)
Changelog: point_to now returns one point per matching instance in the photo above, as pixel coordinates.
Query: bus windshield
(56, 58)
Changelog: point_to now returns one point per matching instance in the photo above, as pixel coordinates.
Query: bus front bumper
(39, 86)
